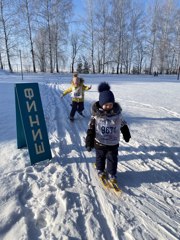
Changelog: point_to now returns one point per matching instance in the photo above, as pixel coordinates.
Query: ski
(114, 186)
(104, 181)
(109, 185)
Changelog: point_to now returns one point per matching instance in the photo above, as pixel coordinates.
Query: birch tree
(1, 48)
(54, 15)
(140, 49)
(89, 34)
(134, 31)
(1, 63)
(75, 47)
(62, 12)
(139, 56)
(41, 48)
(28, 12)
(153, 32)
(120, 10)
(103, 29)
(165, 35)
(8, 25)
(177, 40)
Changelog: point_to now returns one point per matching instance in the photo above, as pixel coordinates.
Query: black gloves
(89, 140)
(126, 133)
(88, 149)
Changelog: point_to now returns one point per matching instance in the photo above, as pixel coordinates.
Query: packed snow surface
(62, 199)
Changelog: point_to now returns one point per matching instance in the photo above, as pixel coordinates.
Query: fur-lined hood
(98, 111)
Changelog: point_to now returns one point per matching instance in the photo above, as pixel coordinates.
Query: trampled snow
(62, 198)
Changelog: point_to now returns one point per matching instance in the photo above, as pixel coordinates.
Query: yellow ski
(108, 184)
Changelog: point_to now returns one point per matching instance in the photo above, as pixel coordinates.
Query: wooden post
(21, 64)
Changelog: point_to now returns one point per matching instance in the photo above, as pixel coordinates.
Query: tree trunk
(6, 39)
(30, 37)
(1, 61)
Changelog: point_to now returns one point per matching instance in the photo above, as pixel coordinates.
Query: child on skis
(76, 89)
(103, 132)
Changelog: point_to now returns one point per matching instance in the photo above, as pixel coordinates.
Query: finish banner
(30, 122)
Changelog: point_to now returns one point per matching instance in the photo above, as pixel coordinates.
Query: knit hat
(75, 74)
(105, 95)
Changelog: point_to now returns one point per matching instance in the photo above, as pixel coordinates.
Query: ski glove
(88, 149)
(126, 133)
(89, 140)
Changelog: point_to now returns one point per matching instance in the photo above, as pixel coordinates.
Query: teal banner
(30, 122)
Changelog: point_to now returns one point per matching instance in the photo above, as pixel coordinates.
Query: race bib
(108, 130)
(77, 93)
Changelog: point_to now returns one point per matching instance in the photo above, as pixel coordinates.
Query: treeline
(112, 36)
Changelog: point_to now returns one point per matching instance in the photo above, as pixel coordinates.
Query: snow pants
(112, 159)
(76, 106)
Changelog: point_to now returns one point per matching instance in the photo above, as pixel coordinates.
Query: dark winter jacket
(104, 127)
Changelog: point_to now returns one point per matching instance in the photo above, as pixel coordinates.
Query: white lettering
(39, 148)
(30, 106)
(28, 92)
(35, 121)
(35, 135)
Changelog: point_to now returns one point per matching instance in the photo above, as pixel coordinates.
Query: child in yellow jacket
(76, 89)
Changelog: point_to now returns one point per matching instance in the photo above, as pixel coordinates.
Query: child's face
(107, 106)
(76, 81)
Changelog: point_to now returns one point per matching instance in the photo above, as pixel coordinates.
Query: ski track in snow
(140, 213)
(64, 195)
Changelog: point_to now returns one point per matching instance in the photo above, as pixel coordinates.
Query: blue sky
(80, 5)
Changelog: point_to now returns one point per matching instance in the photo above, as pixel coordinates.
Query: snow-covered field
(62, 199)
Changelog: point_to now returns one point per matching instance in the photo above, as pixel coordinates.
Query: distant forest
(110, 36)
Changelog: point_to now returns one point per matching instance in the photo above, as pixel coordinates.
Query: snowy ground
(62, 199)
